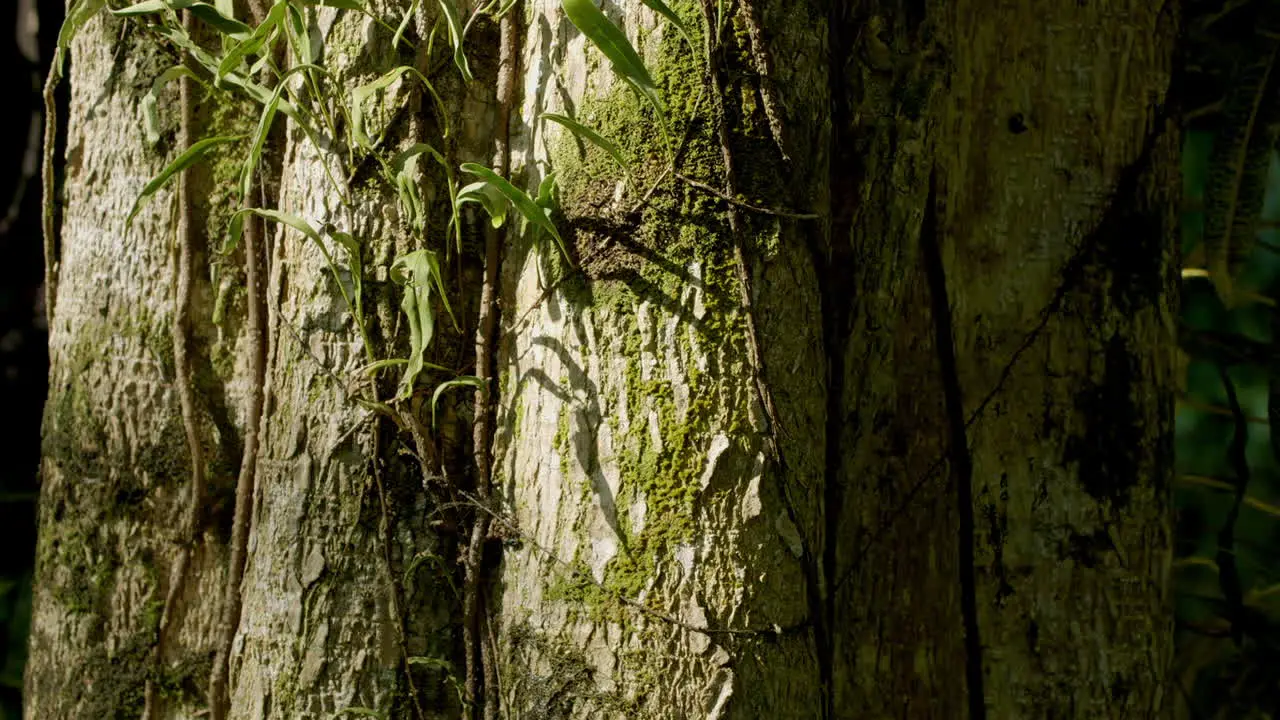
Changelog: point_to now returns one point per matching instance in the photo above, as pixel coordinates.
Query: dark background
(28, 30)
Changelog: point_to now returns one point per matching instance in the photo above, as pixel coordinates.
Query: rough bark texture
(660, 564)
(1052, 132)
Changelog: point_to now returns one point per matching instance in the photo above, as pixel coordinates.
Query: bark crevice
(960, 460)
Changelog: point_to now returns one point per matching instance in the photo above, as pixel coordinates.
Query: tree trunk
(885, 434)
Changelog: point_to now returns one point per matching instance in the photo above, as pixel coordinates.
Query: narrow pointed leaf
(419, 273)
(228, 26)
(77, 16)
(488, 197)
(521, 201)
(590, 136)
(190, 157)
(546, 193)
(339, 4)
(611, 41)
(218, 18)
(151, 100)
(467, 381)
(665, 11)
(254, 44)
(404, 24)
(455, 38)
(363, 92)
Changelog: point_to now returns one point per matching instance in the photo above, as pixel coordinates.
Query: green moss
(114, 683)
(629, 260)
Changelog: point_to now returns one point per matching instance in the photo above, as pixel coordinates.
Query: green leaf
(190, 157)
(665, 11)
(456, 37)
(255, 44)
(77, 16)
(259, 143)
(304, 227)
(419, 273)
(290, 220)
(299, 36)
(405, 168)
(546, 193)
(150, 101)
(363, 92)
(465, 381)
(250, 165)
(211, 15)
(151, 6)
(614, 44)
(431, 662)
(589, 135)
(489, 197)
(374, 367)
(352, 246)
(522, 203)
(404, 23)
(224, 24)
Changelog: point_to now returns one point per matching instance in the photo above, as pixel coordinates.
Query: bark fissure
(830, 255)
(241, 525)
(961, 462)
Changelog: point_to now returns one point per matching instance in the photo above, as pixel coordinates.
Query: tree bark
(877, 424)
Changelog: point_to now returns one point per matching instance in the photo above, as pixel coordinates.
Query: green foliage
(465, 381)
(419, 273)
(591, 136)
(234, 70)
(215, 17)
(258, 43)
(364, 92)
(666, 12)
(189, 157)
(1228, 441)
(455, 38)
(528, 209)
(152, 98)
(79, 14)
(611, 41)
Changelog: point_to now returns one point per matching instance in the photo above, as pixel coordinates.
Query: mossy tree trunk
(919, 468)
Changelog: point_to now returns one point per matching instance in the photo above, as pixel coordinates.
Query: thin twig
(49, 201)
(675, 159)
(745, 205)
